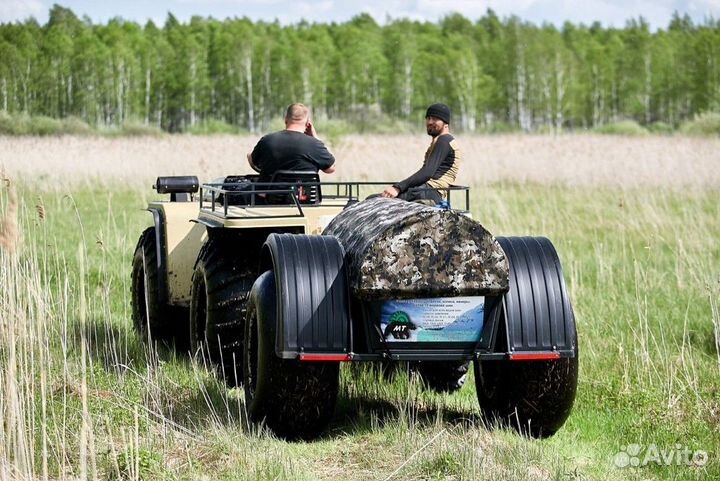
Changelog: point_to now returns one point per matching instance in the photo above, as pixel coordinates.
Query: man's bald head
(296, 114)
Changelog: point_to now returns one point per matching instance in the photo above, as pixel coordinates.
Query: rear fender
(313, 312)
(537, 318)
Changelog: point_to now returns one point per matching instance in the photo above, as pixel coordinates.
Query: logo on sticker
(399, 326)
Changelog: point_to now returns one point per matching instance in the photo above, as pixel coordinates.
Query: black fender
(312, 297)
(160, 243)
(537, 314)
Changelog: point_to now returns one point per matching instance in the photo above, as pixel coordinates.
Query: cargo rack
(215, 193)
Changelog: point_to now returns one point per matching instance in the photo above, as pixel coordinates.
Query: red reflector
(324, 357)
(535, 356)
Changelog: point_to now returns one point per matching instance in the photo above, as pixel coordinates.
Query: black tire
(220, 286)
(295, 400)
(443, 376)
(533, 397)
(148, 314)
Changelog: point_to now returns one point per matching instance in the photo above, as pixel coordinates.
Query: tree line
(492, 72)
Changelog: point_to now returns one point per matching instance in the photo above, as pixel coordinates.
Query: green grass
(623, 127)
(81, 397)
(707, 124)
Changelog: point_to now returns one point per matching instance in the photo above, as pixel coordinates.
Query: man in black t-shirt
(441, 165)
(295, 148)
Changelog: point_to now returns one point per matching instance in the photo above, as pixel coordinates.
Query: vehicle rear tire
(295, 400)
(443, 376)
(532, 397)
(148, 313)
(220, 286)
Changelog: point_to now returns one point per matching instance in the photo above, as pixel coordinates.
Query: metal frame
(343, 190)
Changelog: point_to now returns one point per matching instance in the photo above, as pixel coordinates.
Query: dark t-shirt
(290, 150)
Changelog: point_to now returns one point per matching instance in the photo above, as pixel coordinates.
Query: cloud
(12, 10)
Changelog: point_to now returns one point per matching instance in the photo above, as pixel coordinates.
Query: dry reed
(675, 162)
(9, 230)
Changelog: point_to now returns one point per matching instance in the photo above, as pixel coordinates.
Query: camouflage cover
(396, 249)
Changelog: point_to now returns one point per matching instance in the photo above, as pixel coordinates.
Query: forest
(495, 73)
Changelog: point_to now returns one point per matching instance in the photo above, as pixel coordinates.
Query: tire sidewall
(198, 300)
(260, 344)
(146, 309)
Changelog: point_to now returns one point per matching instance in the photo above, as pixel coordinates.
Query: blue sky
(608, 12)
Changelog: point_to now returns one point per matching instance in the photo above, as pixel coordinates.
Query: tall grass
(82, 398)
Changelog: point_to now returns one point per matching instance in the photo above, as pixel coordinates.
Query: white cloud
(11, 10)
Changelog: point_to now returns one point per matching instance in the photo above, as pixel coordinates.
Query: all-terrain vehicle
(280, 282)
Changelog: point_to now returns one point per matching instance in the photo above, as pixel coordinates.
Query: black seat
(287, 179)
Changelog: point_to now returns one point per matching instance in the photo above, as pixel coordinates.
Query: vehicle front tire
(294, 400)
(148, 313)
(220, 286)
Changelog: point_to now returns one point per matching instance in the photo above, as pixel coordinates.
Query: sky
(608, 12)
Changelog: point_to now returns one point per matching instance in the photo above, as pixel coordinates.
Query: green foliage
(212, 127)
(660, 127)
(442, 466)
(135, 465)
(182, 76)
(704, 124)
(22, 124)
(623, 127)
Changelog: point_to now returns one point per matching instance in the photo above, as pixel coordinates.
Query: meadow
(636, 222)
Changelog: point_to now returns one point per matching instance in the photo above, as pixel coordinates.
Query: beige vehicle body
(184, 231)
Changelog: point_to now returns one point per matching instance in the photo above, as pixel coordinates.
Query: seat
(287, 179)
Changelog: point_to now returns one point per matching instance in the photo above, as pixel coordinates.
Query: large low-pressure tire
(295, 400)
(534, 397)
(443, 376)
(148, 313)
(220, 286)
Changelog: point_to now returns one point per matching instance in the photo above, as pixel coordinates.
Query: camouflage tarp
(398, 249)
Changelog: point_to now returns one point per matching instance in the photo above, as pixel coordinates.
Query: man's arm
(252, 164)
(322, 157)
(426, 172)
(254, 158)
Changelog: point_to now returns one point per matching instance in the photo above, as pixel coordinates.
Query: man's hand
(391, 192)
(310, 130)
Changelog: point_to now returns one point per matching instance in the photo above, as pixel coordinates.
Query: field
(636, 222)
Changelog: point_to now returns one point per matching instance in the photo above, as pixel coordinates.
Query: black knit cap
(440, 111)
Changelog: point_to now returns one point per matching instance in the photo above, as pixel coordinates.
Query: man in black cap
(441, 165)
